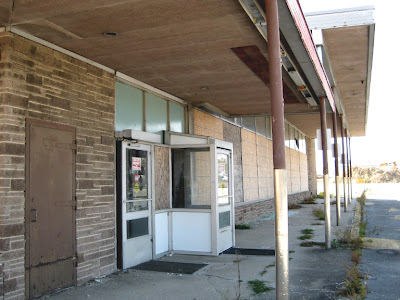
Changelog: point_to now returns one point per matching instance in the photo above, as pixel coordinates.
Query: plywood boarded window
(162, 178)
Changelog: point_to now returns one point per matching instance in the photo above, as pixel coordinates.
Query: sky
(382, 141)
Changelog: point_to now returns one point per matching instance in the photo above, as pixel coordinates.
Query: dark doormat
(169, 267)
(246, 251)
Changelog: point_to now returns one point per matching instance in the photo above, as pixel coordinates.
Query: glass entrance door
(136, 204)
(224, 203)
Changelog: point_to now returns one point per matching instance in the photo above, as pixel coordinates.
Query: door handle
(33, 215)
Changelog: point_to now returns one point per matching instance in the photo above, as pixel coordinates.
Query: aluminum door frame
(222, 147)
(150, 212)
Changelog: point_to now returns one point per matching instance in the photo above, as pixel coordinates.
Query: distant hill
(376, 175)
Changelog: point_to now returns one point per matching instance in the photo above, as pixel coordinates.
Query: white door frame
(145, 241)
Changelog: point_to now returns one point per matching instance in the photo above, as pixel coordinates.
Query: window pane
(156, 114)
(128, 107)
(249, 123)
(269, 128)
(136, 174)
(223, 179)
(176, 117)
(191, 178)
(287, 138)
(137, 206)
(260, 125)
(137, 227)
(224, 219)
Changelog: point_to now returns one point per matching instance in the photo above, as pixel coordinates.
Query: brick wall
(247, 212)
(40, 83)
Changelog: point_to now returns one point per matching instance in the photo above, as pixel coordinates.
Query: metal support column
(278, 144)
(327, 202)
(335, 150)
(351, 172)
(348, 165)
(344, 163)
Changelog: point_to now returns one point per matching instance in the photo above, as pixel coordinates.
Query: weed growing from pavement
(307, 231)
(305, 237)
(312, 244)
(322, 195)
(319, 213)
(266, 269)
(354, 286)
(294, 206)
(317, 224)
(309, 200)
(354, 283)
(242, 226)
(258, 286)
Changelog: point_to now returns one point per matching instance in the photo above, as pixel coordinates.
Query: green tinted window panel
(176, 117)
(156, 114)
(128, 107)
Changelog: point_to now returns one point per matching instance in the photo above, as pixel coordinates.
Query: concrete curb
(355, 229)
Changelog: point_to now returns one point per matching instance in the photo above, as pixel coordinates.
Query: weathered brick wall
(247, 212)
(40, 83)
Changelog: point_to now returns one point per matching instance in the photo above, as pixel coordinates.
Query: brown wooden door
(50, 202)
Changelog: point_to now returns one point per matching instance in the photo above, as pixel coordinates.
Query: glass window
(128, 107)
(249, 123)
(191, 178)
(156, 114)
(223, 179)
(287, 138)
(268, 127)
(224, 219)
(296, 140)
(260, 125)
(176, 117)
(137, 227)
(136, 174)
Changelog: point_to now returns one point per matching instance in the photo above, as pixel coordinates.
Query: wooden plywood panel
(162, 178)
(205, 124)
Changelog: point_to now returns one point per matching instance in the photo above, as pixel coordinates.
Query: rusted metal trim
(302, 27)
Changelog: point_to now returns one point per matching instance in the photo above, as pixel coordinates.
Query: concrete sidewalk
(315, 273)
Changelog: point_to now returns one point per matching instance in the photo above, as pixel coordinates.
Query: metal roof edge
(299, 20)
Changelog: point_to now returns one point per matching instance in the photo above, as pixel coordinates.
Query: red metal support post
(278, 142)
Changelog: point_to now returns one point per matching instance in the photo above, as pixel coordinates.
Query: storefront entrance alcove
(201, 215)
(195, 174)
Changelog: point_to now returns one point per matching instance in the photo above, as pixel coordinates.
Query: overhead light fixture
(110, 33)
(204, 88)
